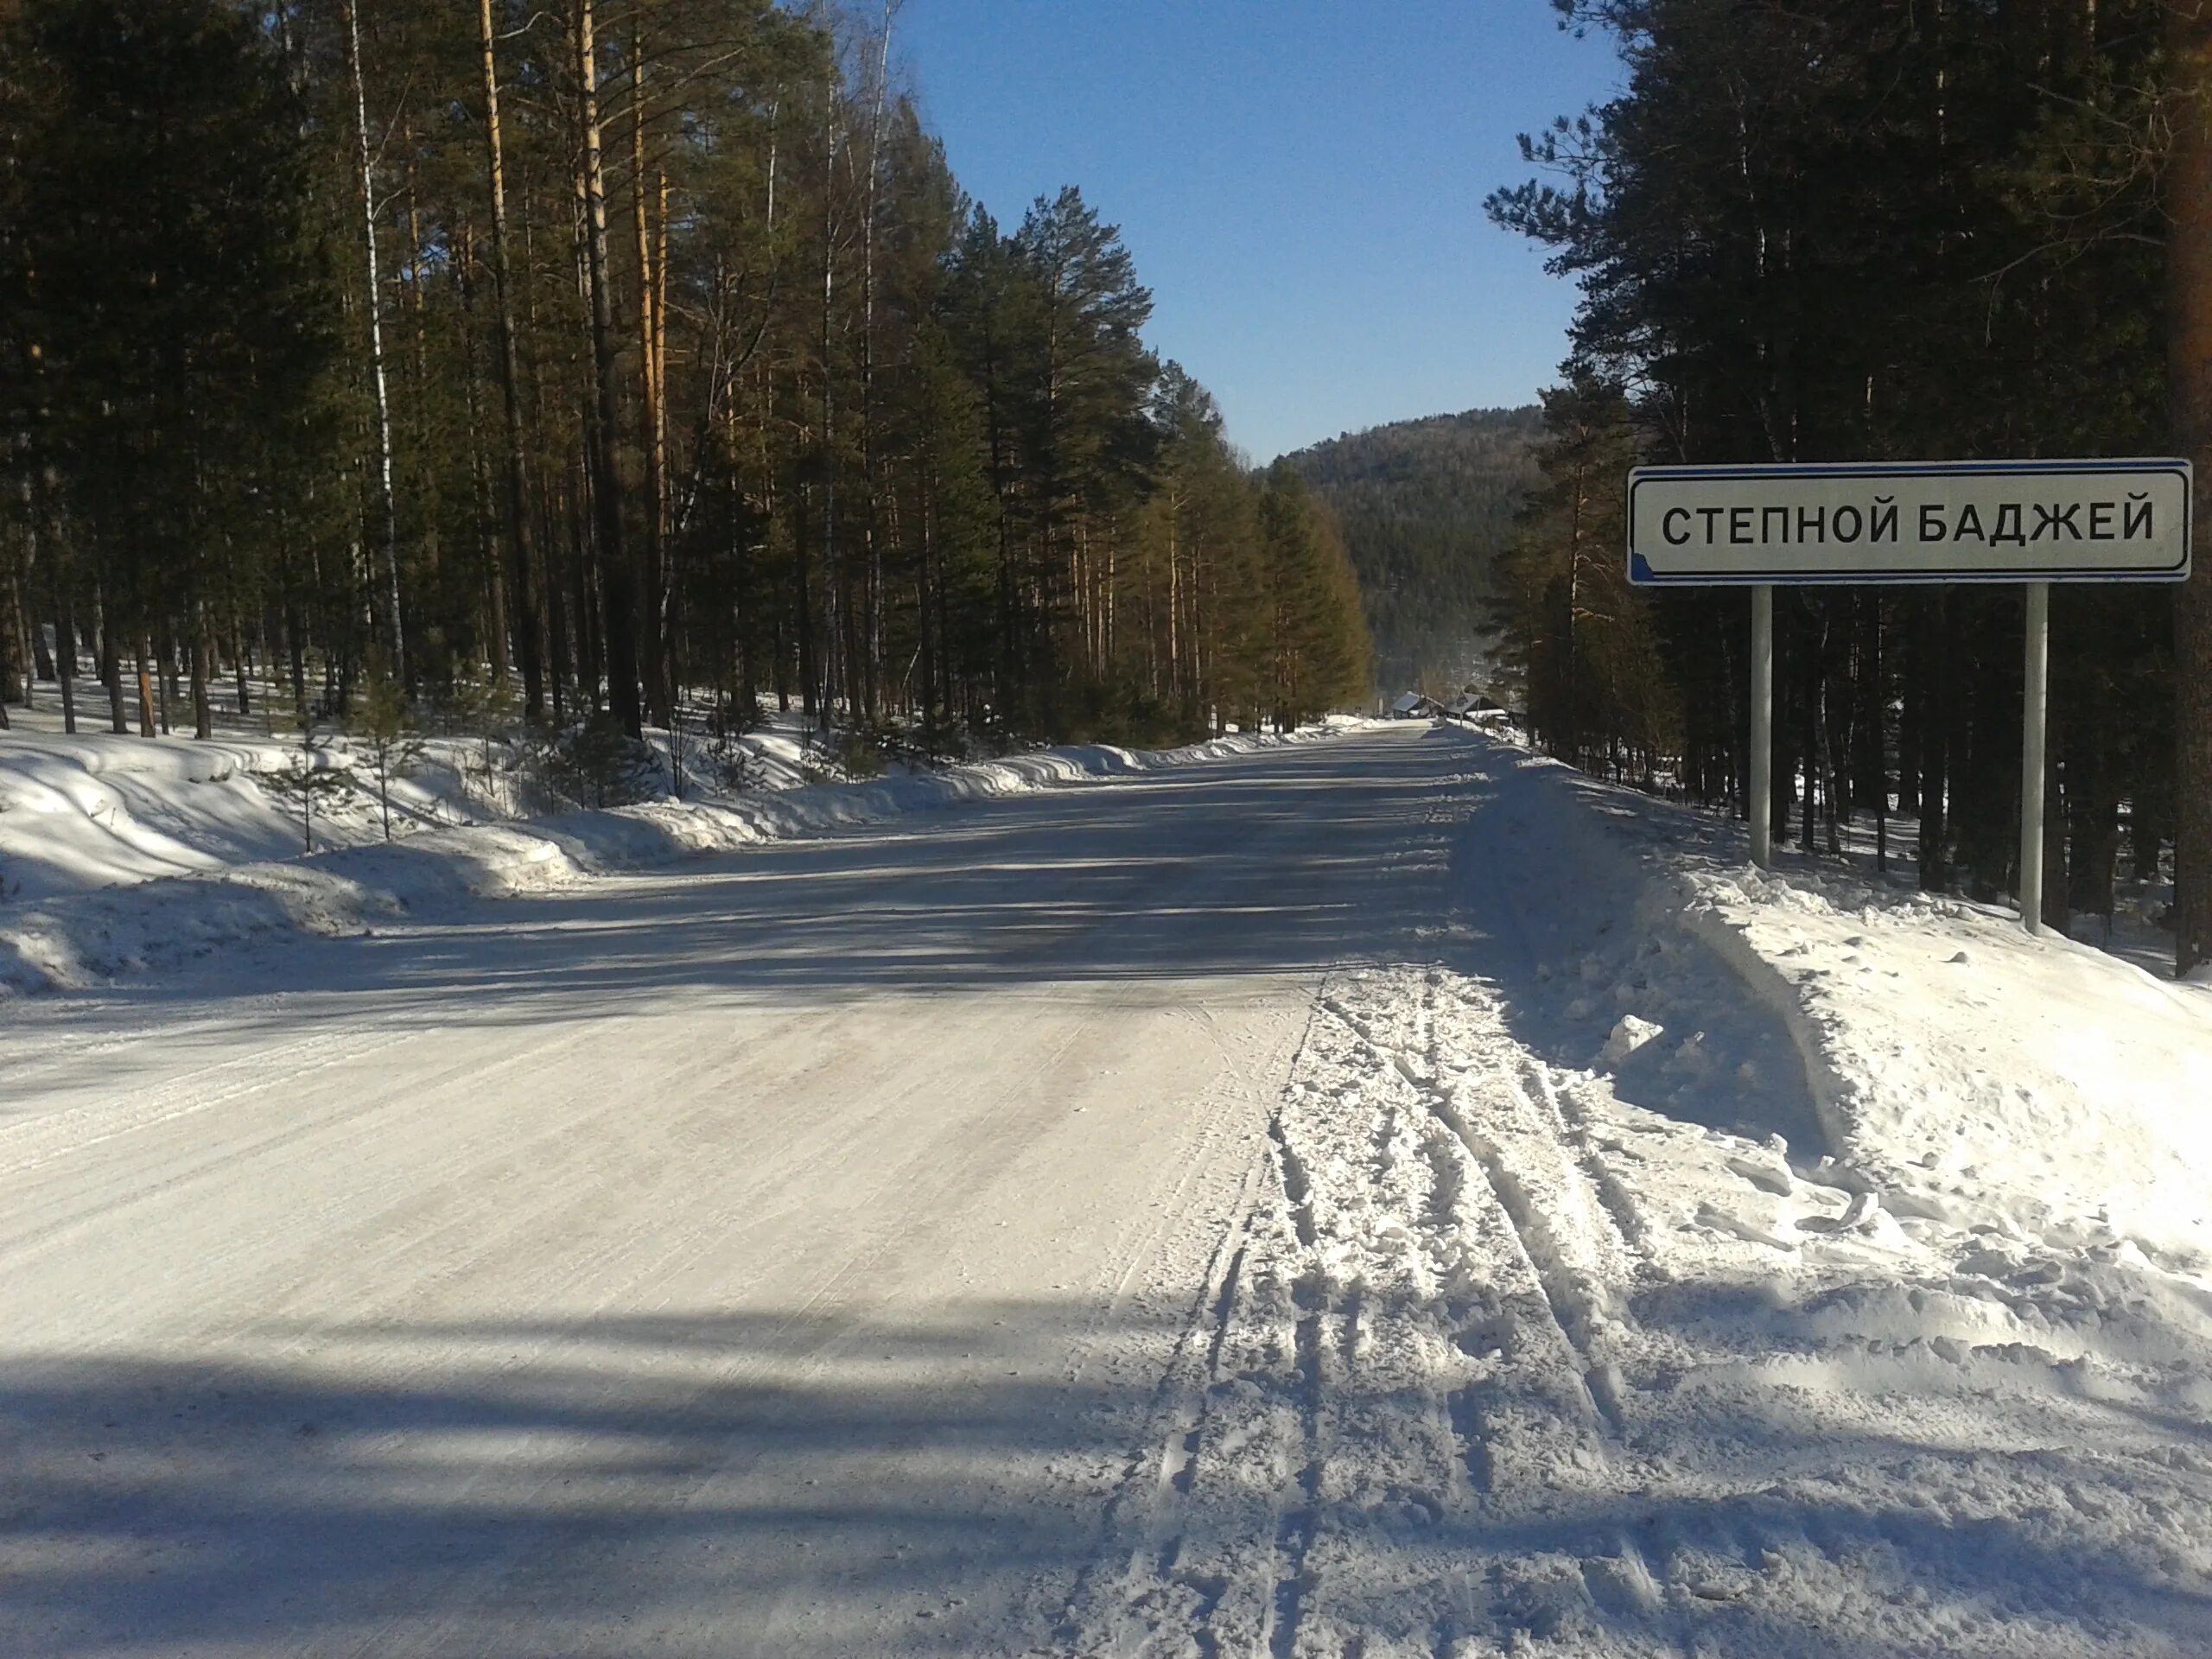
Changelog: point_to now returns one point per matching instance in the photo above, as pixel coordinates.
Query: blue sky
(1301, 182)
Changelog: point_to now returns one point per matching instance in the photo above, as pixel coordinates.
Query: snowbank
(97, 809)
(186, 812)
(1964, 1070)
(1974, 1073)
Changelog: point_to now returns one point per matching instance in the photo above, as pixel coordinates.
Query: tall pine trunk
(393, 638)
(869, 529)
(490, 551)
(111, 664)
(520, 537)
(830, 577)
(660, 697)
(617, 581)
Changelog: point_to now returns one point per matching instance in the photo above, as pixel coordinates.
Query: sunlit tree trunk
(653, 621)
(872, 645)
(394, 641)
(523, 560)
(617, 581)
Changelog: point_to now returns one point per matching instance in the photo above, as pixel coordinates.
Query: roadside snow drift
(1977, 1075)
(99, 809)
(1969, 1071)
(186, 812)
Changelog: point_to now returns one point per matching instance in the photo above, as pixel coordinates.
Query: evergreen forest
(646, 357)
(1427, 508)
(1846, 230)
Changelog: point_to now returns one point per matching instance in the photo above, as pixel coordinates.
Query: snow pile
(77, 939)
(1975, 1074)
(98, 809)
(1965, 1070)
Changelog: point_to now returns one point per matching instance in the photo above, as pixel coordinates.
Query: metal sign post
(2035, 709)
(1762, 801)
(2034, 522)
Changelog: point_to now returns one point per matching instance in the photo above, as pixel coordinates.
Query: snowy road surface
(1228, 1212)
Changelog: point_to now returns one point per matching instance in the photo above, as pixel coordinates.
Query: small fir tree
(383, 727)
(309, 778)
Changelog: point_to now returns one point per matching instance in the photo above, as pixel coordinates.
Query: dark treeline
(1426, 506)
(631, 351)
(1838, 230)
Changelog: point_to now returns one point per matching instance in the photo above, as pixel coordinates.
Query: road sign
(1911, 522)
(2035, 522)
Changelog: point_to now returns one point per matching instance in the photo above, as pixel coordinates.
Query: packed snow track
(1302, 1204)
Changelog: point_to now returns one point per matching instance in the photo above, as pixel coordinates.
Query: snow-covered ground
(1388, 1196)
(1678, 1260)
(95, 809)
(120, 855)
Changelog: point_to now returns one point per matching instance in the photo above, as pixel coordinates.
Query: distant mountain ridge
(1427, 505)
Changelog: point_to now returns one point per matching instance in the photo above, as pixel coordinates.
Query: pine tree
(1579, 639)
(753, 402)
(175, 304)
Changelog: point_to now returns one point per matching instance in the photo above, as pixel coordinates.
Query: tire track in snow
(1417, 1137)
(1294, 1531)
(1627, 1216)
(34, 1141)
(1569, 1304)
(1197, 1552)
(1240, 1060)
(1146, 1523)
(1534, 1148)
(1281, 1581)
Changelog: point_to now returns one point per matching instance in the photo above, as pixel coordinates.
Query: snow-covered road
(735, 1259)
(1286, 1206)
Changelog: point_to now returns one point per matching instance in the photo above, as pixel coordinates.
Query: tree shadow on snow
(782, 1482)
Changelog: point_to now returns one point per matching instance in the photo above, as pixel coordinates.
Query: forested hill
(1426, 506)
